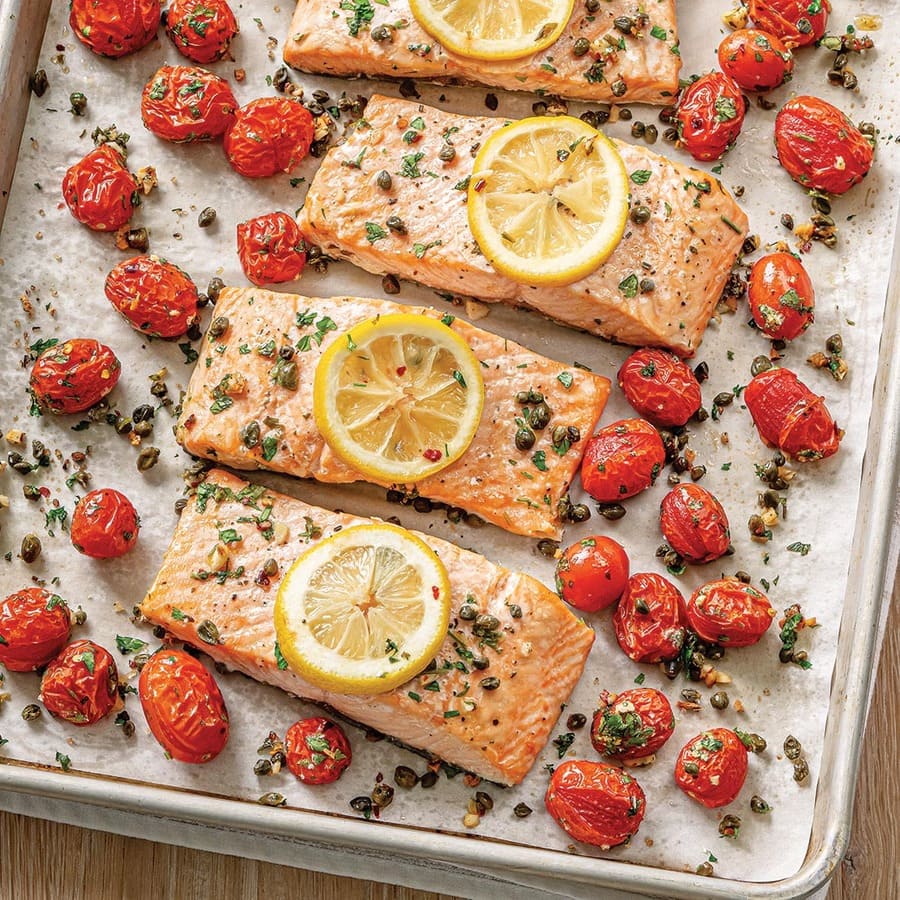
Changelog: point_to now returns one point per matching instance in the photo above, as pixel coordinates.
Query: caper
(485, 623)
(287, 375)
(428, 779)
(281, 79)
(147, 458)
(286, 352)
(213, 289)
(270, 567)
(480, 662)
(390, 284)
(670, 135)
(396, 224)
(529, 396)
(31, 712)
(491, 683)
(142, 413)
(725, 398)
(835, 345)
(611, 511)
(361, 805)
(792, 747)
(467, 612)
(484, 799)
(692, 768)
(31, 548)
(382, 795)
(143, 429)
(405, 777)
(689, 695)
(207, 217)
(31, 492)
(383, 180)
(250, 434)
(625, 24)
(579, 513)
(637, 130)
(729, 826)
(647, 285)
(208, 632)
(540, 417)
(78, 103)
(697, 472)
(523, 810)
(705, 869)
(801, 770)
(742, 576)
(618, 88)
(525, 438)
(667, 115)
(651, 133)
(680, 464)
(640, 214)
(382, 33)
(547, 547)
(218, 326)
(787, 220)
(262, 767)
(581, 46)
(758, 805)
(447, 153)
(719, 700)
(849, 80)
(702, 414)
(515, 611)
(760, 364)
(273, 798)
(39, 83)
(576, 721)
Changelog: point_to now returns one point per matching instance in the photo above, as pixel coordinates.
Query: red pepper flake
(401, 370)
(435, 591)
(432, 455)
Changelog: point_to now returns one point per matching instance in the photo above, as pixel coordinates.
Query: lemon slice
(398, 397)
(364, 610)
(548, 200)
(493, 30)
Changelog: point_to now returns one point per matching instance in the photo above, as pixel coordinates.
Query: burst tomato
(820, 148)
(72, 376)
(756, 60)
(660, 387)
(271, 248)
(317, 750)
(592, 573)
(154, 295)
(711, 767)
(114, 27)
(796, 22)
(100, 191)
(788, 415)
(81, 684)
(709, 116)
(201, 29)
(694, 523)
(185, 104)
(595, 803)
(781, 296)
(622, 460)
(34, 627)
(649, 620)
(632, 725)
(104, 524)
(183, 706)
(729, 612)
(269, 136)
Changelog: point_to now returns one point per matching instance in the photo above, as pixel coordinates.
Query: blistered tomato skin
(729, 612)
(34, 627)
(114, 28)
(711, 768)
(755, 59)
(271, 248)
(788, 415)
(595, 803)
(709, 116)
(183, 706)
(104, 524)
(317, 750)
(820, 148)
(649, 619)
(269, 136)
(100, 191)
(622, 460)
(202, 30)
(153, 295)
(660, 386)
(81, 684)
(694, 524)
(796, 22)
(185, 104)
(781, 296)
(632, 725)
(592, 573)
(72, 376)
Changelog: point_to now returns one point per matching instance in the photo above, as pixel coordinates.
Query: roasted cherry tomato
(781, 296)
(788, 415)
(622, 460)
(72, 376)
(592, 573)
(81, 684)
(649, 620)
(660, 387)
(154, 295)
(694, 523)
(709, 116)
(820, 148)
(711, 767)
(796, 22)
(317, 750)
(114, 27)
(632, 725)
(100, 191)
(201, 29)
(104, 524)
(729, 612)
(594, 802)
(183, 706)
(271, 248)
(185, 104)
(34, 627)
(269, 136)
(756, 60)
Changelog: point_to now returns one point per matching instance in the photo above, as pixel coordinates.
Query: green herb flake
(63, 760)
(565, 379)
(641, 176)
(128, 645)
(374, 232)
(629, 286)
(659, 32)
(799, 547)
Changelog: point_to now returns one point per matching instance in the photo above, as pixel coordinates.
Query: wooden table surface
(41, 859)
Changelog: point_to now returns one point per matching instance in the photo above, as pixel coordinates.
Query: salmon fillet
(445, 711)
(232, 385)
(641, 66)
(686, 249)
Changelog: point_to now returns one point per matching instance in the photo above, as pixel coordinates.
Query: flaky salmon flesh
(236, 413)
(447, 711)
(636, 64)
(658, 288)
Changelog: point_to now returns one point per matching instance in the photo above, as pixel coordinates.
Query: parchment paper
(60, 267)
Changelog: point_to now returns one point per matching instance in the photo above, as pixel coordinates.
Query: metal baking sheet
(191, 798)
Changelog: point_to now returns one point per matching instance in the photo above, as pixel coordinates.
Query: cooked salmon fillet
(445, 711)
(232, 386)
(637, 67)
(685, 251)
